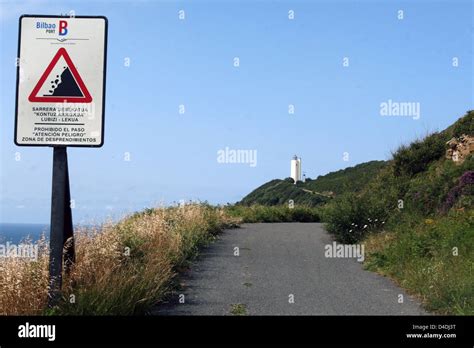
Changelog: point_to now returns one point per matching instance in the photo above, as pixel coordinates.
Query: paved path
(275, 262)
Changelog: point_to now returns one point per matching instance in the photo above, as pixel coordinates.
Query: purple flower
(467, 178)
(464, 181)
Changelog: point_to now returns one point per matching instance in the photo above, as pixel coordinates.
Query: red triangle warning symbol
(60, 83)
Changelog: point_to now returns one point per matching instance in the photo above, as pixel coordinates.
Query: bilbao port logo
(52, 28)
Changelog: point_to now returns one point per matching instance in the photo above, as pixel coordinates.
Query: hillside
(416, 218)
(317, 191)
(426, 178)
(351, 179)
(278, 192)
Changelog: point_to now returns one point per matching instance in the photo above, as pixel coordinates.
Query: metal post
(61, 225)
(69, 247)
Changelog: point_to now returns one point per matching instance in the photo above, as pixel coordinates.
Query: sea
(18, 232)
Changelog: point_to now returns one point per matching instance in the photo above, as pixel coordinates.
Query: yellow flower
(429, 221)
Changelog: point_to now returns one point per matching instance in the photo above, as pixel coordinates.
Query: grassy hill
(419, 180)
(416, 218)
(279, 192)
(314, 192)
(351, 179)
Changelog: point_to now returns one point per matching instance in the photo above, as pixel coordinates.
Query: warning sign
(61, 81)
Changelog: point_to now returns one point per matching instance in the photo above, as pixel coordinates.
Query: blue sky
(190, 62)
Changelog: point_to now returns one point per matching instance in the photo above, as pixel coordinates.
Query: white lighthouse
(295, 168)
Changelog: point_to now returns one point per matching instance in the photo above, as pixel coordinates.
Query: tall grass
(24, 283)
(120, 269)
(276, 213)
(433, 258)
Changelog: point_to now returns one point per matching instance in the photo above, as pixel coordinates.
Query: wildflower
(467, 178)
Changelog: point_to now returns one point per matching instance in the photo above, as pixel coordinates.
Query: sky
(405, 57)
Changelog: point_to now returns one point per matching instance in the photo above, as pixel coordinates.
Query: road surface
(282, 270)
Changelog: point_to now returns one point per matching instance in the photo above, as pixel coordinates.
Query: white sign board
(61, 81)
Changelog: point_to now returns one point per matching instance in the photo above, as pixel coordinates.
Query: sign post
(60, 99)
(62, 235)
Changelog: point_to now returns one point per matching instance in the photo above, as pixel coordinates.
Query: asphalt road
(278, 263)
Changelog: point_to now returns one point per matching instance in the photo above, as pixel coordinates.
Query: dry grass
(120, 268)
(23, 283)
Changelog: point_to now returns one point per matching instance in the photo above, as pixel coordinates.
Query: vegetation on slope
(315, 192)
(417, 219)
(432, 258)
(419, 180)
(351, 179)
(280, 192)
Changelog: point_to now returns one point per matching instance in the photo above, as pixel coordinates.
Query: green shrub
(415, 158)
(350, 217)
(261, 213)
(428, 193)
(465, 125)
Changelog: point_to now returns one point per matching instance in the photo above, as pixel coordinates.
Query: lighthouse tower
(295, 168)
